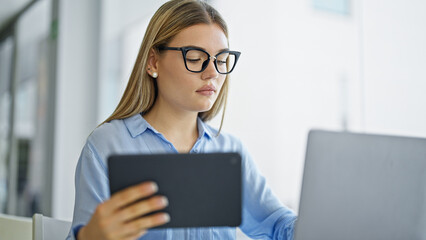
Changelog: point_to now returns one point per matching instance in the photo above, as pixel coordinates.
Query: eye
(193, 60)
(222, 58)
(195, 56)
(221, 62)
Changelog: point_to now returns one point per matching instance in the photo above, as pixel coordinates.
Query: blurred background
(346, 65)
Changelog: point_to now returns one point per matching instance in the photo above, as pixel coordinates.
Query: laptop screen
(359, 186)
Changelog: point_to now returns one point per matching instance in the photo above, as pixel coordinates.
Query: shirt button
(170, 145)
(195, 150)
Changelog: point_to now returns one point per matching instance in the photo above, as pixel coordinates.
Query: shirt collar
(203, 129)
(137, 125)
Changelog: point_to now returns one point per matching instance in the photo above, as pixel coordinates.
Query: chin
(205, 108)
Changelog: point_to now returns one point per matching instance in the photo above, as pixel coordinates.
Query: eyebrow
(220, 50)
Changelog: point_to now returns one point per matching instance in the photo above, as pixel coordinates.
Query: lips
(207, 88)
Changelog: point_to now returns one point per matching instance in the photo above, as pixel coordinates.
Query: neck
(179, 127)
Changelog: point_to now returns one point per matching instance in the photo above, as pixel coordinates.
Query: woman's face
(181, 89)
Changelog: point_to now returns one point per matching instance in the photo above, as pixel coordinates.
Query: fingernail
(166, 217)
(154, 187)
(164, 201)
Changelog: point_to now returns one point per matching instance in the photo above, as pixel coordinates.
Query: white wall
(394, 35)
(77, 91)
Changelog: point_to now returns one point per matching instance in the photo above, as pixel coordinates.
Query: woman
(179, 81)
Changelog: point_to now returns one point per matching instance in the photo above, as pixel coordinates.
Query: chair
(47, 228)
(15, 228)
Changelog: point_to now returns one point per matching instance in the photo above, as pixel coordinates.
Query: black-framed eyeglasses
(197, 59)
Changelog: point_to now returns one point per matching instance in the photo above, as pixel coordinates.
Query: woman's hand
(119, 217)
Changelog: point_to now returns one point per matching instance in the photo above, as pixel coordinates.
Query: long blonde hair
(171, 18)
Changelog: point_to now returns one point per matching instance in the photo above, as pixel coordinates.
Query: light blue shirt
(263, 215)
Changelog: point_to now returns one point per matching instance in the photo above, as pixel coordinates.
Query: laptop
(363, 186)
(204, 190)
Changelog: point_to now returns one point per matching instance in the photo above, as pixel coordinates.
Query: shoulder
(109, 138)
(96, 149)
(108, 130)
(112, 127)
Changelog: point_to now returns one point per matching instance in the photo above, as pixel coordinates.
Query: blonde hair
(171, 18)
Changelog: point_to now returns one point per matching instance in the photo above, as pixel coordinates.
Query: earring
(154, 74)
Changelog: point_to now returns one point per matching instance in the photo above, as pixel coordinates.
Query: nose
(210, 72)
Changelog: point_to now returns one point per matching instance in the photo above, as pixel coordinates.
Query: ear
(152, 64)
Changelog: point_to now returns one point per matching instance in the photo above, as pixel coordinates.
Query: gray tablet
(204, 190)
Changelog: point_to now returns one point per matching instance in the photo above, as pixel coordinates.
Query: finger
(147, 222)
(142, 208)
(131, 194)
(136, 235)
(134, 227)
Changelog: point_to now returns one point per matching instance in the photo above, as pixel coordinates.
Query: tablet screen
(204, 190)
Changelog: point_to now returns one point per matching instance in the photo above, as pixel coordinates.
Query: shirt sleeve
(91, 187)
(264, 216)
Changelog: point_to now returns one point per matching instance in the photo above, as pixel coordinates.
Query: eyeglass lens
(197, 60)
